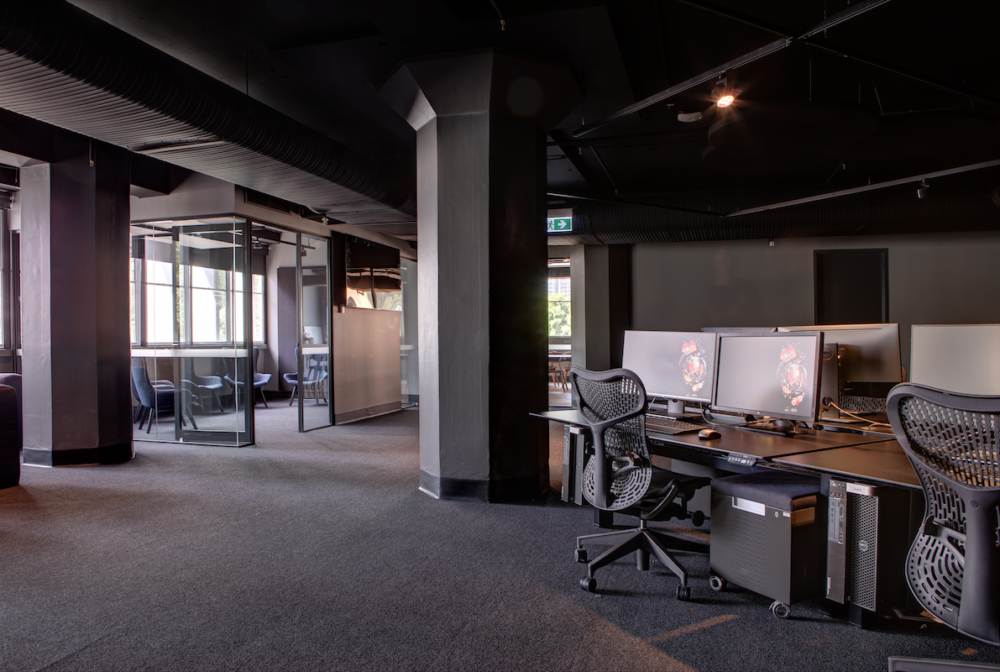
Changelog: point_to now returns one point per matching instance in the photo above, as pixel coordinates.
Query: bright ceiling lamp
(722, 94)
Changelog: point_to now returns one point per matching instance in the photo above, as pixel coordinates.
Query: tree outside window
(559, 307)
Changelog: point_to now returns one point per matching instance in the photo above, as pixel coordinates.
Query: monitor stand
(673, 408)
(777, 427)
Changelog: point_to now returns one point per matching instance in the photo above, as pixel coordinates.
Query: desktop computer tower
(868, 536)
(574, 449)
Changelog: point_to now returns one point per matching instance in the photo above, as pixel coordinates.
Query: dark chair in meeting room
(620, 477)
(154, 400)
(259, 379)
(210, 385)
(953, 443)
(315, 373)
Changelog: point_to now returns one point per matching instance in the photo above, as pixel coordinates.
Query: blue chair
(152, 400)
(316, 372)
(211, 383)
(259, 379)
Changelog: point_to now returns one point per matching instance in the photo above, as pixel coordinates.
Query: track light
(923, 189)
(722, 94)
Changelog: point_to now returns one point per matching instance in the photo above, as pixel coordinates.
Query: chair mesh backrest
(956, 454)
(604, 396)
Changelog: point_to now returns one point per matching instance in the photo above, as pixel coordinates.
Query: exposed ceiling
(901, 90)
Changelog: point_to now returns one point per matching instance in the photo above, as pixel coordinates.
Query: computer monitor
(739, 330)
(776, 375)
(869, 353)
(956, 357)
(677, 366)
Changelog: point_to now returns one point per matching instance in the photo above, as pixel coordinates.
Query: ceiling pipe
(868, 187)
(63, 66)
(757, 54)
(637, 204)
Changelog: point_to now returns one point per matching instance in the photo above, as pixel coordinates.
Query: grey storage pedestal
(768, 530)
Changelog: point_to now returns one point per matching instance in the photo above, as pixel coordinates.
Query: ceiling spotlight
(922, 189)
(689, 117)
(722, 94)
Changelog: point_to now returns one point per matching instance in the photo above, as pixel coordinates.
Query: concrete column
(75, 306)
(601, 295)
(481, 120)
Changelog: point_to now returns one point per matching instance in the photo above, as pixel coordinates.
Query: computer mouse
(708, 434)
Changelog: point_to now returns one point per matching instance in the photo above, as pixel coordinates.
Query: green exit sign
(560, 224)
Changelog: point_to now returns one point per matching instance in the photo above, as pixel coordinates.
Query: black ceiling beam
(726, 13)
(868, 187)
(594, 178)
(617, 201)
(766, 50)
(636, 139)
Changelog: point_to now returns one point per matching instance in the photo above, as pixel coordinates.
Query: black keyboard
(665, 425)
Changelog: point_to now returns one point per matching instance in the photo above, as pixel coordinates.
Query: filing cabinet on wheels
(768, 536)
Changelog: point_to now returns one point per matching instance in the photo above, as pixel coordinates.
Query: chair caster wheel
(698, 518)
(717, 583)
(589, 584)
(683, 593)
(780, 609)
(581, 555)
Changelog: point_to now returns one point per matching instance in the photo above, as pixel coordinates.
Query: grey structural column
(75, 306)
(481, 120)
(601, 296)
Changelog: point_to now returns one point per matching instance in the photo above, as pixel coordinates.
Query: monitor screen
(769, 374)
(740, 330)
(869, 353)
(672, 364)
(956, 357)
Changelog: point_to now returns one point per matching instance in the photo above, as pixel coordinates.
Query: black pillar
(75, 306)
(481, 119)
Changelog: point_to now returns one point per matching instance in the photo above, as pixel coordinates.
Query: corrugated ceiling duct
(954, 203)
(63, 66)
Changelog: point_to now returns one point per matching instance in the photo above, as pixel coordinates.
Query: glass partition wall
(314, 347)
(194, 319)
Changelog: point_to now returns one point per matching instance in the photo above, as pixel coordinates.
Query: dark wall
(933, 279)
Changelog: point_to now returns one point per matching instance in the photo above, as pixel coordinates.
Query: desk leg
(605, 519)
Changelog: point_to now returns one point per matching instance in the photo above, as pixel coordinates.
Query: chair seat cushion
(777, 489)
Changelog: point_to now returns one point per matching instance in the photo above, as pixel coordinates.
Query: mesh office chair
(953, 442)
(619, 476)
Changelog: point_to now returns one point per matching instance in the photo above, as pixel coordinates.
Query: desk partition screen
(956, 357)
(676, 365)
(776, 375)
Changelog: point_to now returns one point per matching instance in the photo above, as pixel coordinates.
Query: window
(133, 333)
(209, 317)
(159, 299)
(257, 299)
(559, 298)
(210, 305)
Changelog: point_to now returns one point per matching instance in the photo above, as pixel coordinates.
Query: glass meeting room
(201, 362)
(195, 314)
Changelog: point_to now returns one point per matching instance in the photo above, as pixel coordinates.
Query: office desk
(882, 463)
(747, 448)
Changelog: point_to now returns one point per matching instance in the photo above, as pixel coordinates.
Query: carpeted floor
(317, 551)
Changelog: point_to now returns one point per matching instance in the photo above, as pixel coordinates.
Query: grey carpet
(317, 551)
